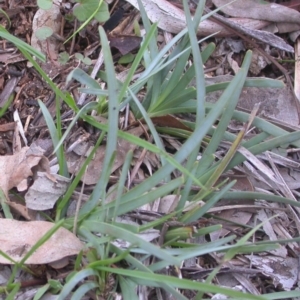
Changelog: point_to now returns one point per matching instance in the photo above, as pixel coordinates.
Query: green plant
(45, 4)
(167, 91)
(64, 58)
(165, 79)
(83, 59)
(98, 9)
(84, 11)
(43, 33)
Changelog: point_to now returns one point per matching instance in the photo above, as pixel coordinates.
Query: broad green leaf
(44, 4)
(43, 33)
(85, 8)
(126, 59)
(63, 57)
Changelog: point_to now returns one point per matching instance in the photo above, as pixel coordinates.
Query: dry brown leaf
(291, 178)
(261, 167)
(45, 191)
(50, 18)
(259, 35)
(93, 172)
(232, 215)
(17, 238)
(169, 121)
(9, 87)
(259, 10)
(22, 210)
(17, 168)
(124, 43)
(291, 28)
(269, 230)
(59, 264)
(284, 271)
(258, 62)
(233, 63)
(276, 103)
(232, 210)
(168, 203)
(280, 159)
(172, 19)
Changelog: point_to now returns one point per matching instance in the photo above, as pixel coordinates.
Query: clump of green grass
(104, 267)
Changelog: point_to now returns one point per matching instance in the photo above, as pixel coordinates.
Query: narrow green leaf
(55, 139)
(76, 279)
(182, 283)
(128, 288)
(83, 289)
(118, 232)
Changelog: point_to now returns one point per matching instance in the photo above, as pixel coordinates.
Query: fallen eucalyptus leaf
(259, 10)
(172, 19)
(18, 167)
(45, 191)
(18, 237)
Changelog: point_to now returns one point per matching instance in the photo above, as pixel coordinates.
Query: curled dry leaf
(48, 20)
(259, 10)
(22, 210)
(17, 168)
(258, 62)
(45, 191)
(17, 238)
